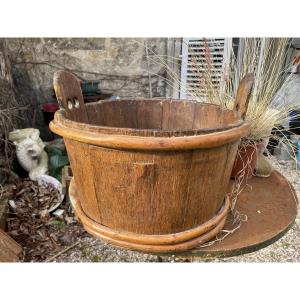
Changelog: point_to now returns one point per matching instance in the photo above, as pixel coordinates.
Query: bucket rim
(148, 139)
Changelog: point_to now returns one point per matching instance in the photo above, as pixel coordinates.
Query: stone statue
(264, 167)
(30, 151)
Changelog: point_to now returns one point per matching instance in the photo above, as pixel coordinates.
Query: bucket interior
(161, 115)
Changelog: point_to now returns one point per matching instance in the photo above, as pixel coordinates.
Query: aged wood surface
(270, 205)
(66, 177)
(68, 93)
(118, 140)
(163, 239)
(150, 192)
(152, 243)
(243, 94)
(152, 167)
(84, 176)
(156, 117)
(10, 250)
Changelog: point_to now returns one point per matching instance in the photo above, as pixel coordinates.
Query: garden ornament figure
(30, 151)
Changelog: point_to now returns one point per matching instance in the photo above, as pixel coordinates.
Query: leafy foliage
(58, 158)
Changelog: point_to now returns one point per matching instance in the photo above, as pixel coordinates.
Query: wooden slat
(69, 95)
(81, 165)
(149, 114)
(133, 181)
(196, 81)
(201, 75)
(191, 65)
(209, 41)
(10, 250)
(210, 53)
(196, 64)
(95, 113)
(113, 175)
(243, 94)
(181, 116)
(197, 86)
(202, 175)
(202, 46)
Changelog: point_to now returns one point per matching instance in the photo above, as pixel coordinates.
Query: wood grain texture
(69, 95)
(273, 196)
(148, 184)
(159, 117)
(10, 250)
(276, 200)
(154, 166)
(243, 94)
(82, 168)
(178, 242)
(150, 118)
(151, 192)
(120, 138)
(180, 247)
(149, 114)
(153, 239)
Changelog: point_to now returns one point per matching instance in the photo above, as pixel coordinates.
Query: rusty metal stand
(271, 208)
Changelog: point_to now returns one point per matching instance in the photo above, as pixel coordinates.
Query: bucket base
(270, 205)
(177, 242)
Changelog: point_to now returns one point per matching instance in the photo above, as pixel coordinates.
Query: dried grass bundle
(265, 57)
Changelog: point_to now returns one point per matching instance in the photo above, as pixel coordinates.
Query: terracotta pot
(245, 161)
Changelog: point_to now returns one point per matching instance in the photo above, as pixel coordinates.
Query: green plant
(95, 258)
(59, 224)
(57, 159)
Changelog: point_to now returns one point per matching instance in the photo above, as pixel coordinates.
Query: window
(195, 55)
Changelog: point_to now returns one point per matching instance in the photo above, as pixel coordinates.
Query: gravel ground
(287, 249)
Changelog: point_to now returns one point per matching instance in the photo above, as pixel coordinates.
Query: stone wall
(120, 64)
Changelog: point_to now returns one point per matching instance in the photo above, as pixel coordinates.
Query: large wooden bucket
(150, 174)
